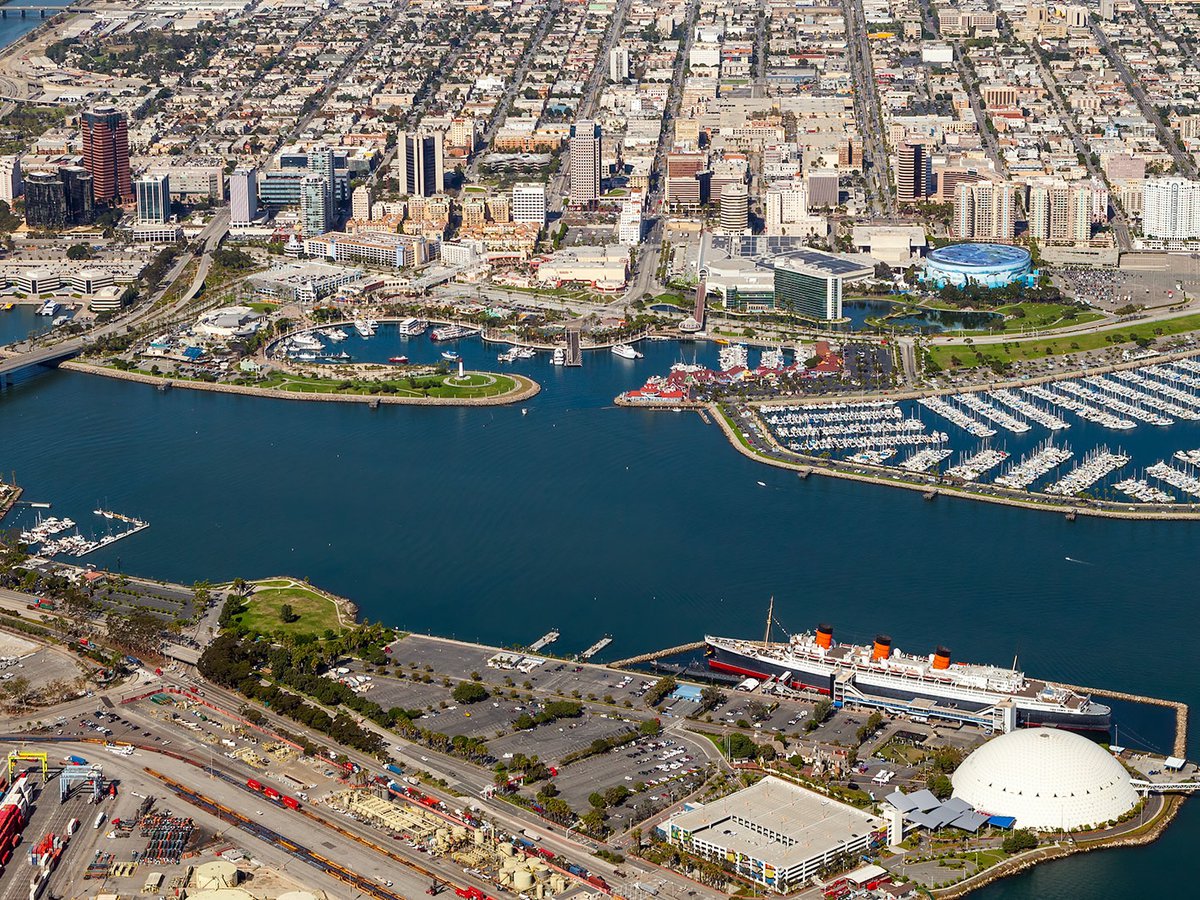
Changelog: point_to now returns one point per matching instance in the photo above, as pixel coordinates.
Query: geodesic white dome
(1046, 779)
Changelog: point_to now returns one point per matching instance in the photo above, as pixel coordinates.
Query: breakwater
(526, 388)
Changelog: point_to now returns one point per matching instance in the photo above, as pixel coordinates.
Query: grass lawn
(262, 612)
(475, 384)
(1038, 348)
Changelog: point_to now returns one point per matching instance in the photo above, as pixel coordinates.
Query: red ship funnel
(883, 647)
(941, 658)
(825, 636)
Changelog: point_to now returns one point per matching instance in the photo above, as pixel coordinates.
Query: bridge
(31, 12)
(1165, 787)
(17, 364)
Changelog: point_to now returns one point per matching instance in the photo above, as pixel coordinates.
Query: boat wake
(1078, 561)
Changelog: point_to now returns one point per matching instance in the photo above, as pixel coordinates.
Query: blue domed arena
(990, 265)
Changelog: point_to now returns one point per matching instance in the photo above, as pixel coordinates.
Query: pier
(656, 655)
(574, 345)
(9, 495)
(595, 648)
(544, 641)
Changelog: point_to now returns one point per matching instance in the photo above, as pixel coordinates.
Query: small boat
(397, 359)
(450, 355)
(365, 327)
(334, 334)
(762, 484)
(560, 356)
(49, 308)
(625, 351)
(8, 306)
(305, 356)
(524, 411)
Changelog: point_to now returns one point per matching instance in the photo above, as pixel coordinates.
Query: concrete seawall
(526, 388)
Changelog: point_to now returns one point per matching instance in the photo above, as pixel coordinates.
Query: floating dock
(544, 641)
(595, 648)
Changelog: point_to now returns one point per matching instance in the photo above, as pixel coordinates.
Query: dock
(113, 538)
(544, 641)
(595, 648)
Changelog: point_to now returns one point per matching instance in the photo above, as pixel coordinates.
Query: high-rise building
(688, 179)
(735, 209)
(243, 196)
(153, 199)
(419, 163)
(1170, 209)
(808, 287)
(473, 209)
(314, 205)
(106, 154)
(360, 203)
(585, 163)
(529, 202)
(59, 198)
(10, 178)
(786, 211)
(850, 153)
(1062, 213)
(912, 172)
(618, 64)
(985, 211)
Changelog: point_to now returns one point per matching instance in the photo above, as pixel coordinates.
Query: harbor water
(497, 524)
(20, 322)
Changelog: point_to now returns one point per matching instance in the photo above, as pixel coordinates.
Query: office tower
(618, 64)
(688, 179)
(735, 209)
(59, 198)
(45, 200)
(314, 205)
(419, 163)
(850, 153)
(153, 199)
(10, 178)
(106, 154)
(360, 203)
(585, 163)
(528, 202)
(243, 196)
(912, 173)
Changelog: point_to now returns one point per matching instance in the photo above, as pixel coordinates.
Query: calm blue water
(15, 27)
(930, 320)
(17, 323)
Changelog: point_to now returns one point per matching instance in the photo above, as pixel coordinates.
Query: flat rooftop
(807, 823)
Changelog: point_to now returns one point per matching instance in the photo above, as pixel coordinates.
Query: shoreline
(527, 388)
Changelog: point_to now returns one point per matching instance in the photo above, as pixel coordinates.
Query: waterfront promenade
(524, 389)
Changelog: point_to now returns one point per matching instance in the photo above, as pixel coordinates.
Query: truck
(290, 802)
(253, 785)
(75, 760)
(99, 819)
(272, 794)
(394, 769)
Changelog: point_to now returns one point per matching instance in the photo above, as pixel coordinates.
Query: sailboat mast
(770, 615)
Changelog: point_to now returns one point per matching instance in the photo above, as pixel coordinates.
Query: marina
(971, 468)
(1098, 463)
(1030, 411)
(1044, 460)
(956, 416)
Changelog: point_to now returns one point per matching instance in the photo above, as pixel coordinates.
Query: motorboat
(560, 356)
(625, 351)
(400, 360)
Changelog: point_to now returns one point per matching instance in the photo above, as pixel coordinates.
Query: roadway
(645, 265)
(876, 163)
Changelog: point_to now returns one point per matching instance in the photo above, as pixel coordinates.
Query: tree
(79, 251)
(939, 785)
(593, 821)
(469, 692)
(596, 799)
(1019, 840)
(287, 614)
